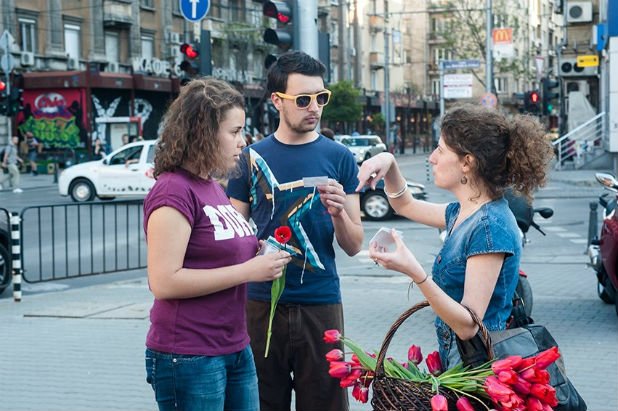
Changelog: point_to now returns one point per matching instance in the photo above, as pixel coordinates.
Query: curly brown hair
(190, 127)
(508, 152)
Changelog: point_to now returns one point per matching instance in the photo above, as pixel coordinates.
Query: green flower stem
(275, 293)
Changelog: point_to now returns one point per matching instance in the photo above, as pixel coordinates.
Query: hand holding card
(384, 238)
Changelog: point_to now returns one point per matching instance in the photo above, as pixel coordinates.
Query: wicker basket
(395, 394)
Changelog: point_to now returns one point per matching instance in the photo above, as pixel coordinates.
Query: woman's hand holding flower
(267, 267)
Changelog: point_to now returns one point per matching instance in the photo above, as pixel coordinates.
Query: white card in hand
(384, 239)
(269, 246)
(315, 181)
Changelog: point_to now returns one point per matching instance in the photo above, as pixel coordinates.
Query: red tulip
(366, 378)
(439, 403)
(533, 404)
(464, 404)
(521, 386)
(535, 375)
(334, 355)
(545, 393)
(339, 369)
(502, 395)
(547, 357)
(434, 365)
(509, 363)
(360, 393)
(283, 234)
(414, 355)
(508, 377)
(351, 379)
(332, 336)
(525, 364)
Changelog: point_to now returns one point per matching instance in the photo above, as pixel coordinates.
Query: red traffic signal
(279, 10)
(2, 86)
(534, 97)
(189, 51)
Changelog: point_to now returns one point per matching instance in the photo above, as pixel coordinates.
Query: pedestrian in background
(273, 191)
(201, 254)
(34, 147)
(10, 159)
(328, 133)
(98, 150)
(480, 154)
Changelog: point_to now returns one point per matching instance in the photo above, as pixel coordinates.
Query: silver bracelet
(398, 193)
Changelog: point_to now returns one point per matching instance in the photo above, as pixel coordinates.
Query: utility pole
(488, 49)
(306, 31)
(387, 94)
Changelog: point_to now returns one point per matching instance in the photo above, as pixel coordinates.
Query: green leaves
(275, 294)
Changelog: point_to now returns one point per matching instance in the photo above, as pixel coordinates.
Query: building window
(147, 3)
(442, 54)
(27, 31)
(237, 10)
(502, 85)
(176, 7)
(147, 46)
(71, 40)
(435, 87)
(112, 47)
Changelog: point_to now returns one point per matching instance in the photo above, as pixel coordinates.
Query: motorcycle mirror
(607, 180)
(545, 212)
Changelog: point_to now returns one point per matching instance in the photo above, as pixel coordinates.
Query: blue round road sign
(194, 10)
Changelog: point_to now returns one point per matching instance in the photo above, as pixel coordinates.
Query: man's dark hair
(292, 62)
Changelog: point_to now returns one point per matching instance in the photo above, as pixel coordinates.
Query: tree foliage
(344, 105)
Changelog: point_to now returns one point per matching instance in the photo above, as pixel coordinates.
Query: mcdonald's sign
(502, 36)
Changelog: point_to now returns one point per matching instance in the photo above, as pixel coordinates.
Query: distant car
(375, 205)
(363, 146)
(126, 172)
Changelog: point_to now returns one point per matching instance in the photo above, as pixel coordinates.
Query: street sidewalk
(28, 182)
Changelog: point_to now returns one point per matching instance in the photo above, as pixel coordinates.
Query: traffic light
(532, 101)
(4, 107)
(283, 36)
(549, 95)
(16, 100)
(190, 62)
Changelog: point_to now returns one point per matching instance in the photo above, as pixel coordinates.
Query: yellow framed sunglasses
(304, 100)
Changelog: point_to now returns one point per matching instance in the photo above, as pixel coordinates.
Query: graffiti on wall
(108, 105)
(55, 118)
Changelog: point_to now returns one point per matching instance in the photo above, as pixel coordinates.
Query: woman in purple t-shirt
(201, 254)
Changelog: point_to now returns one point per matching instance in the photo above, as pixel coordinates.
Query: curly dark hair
(508, 152)
(190, 127)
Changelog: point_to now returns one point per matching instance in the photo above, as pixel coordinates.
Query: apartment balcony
(117, 14)
(376, 23)
(376, 60)
(435, 38)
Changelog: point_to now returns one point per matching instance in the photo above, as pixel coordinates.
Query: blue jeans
(197, 382)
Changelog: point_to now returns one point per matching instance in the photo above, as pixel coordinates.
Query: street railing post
(16, 255)
(592, 222)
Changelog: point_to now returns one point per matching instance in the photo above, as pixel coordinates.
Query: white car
(363, 146)
(126, 172)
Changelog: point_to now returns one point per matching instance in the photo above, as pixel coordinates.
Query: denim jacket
(491, 229)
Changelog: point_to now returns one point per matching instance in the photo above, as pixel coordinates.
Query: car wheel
(82, 190)
(375, 206)
(5, 268)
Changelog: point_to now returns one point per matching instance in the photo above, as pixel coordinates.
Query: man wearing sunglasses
(299, 178)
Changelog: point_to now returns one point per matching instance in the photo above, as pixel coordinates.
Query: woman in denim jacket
(480, 154)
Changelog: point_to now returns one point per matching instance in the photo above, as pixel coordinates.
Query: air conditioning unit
(175, 38)
(27, 59)
(577, 85)
(72, 63)
(579, 12)
(569, 68)
(113, 67)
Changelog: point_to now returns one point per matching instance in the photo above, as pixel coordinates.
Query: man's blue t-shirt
(271, 182)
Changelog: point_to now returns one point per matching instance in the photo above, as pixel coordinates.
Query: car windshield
(131, 153)
(360, 141)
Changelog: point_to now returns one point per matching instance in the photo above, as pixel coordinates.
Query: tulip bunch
(511, 384)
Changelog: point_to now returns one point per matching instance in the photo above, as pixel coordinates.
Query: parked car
(363, 146)
(126, 172)
(375, 205)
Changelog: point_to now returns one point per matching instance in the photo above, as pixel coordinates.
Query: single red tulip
(464, 404)
(534, 404)
(439, 403)
(414, 355)
(334, 355)
(332, 336)
(351, 379)
(339, 369)
(283, 234)
(525, 364)
(535, 375)
(360, 393)
(521, 386)
(543, 359)
(508, 363)
(508, 377)
(366, 378)
(434, 365)
(544, 392)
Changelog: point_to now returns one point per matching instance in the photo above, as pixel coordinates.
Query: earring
(464, 180)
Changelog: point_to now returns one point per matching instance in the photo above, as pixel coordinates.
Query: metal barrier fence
(80, 239)
(5, 248)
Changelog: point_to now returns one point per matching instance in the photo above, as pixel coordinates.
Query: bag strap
(479, 349)
(518, 316)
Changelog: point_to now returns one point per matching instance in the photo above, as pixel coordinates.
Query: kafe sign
(155, 66)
